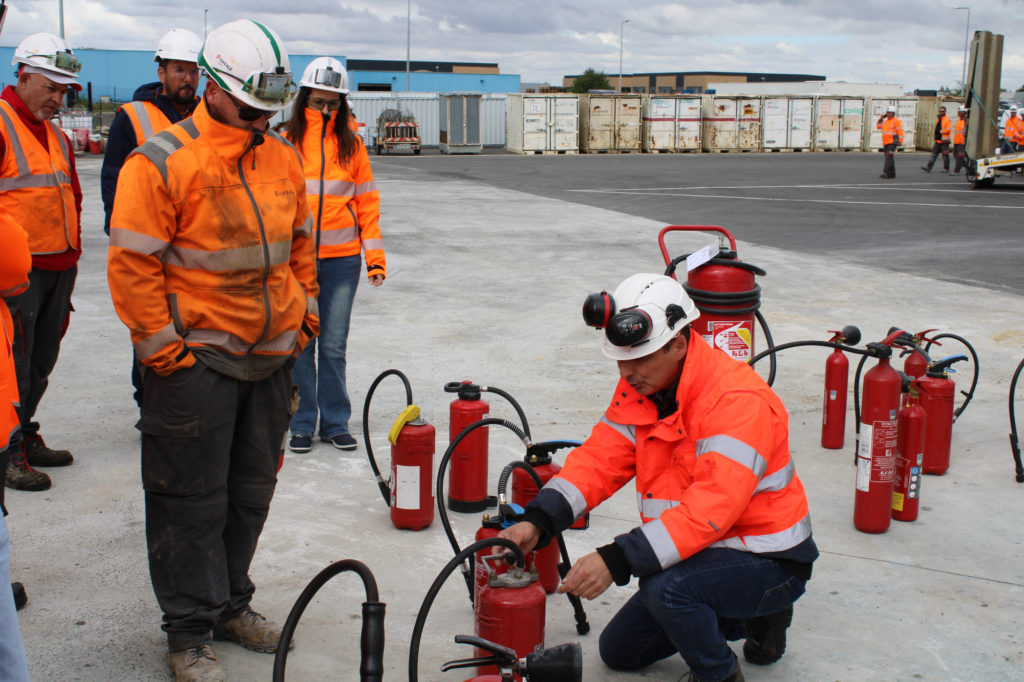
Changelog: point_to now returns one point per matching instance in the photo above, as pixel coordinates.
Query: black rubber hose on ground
(1014, 443)
(385, 490)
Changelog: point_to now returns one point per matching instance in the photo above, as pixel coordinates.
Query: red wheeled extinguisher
(937, 393)
(837, 377)
(876, 450)
(723, 289)
(906, 488)
(467, 482)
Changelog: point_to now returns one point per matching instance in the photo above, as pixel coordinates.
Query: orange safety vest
(342, 197)
(15, 263)
(1014, 131)
(961, 131)
(146, 118)
(946, 130)
(716, 473)
(210, 250)
(35, 184)
(892, 129)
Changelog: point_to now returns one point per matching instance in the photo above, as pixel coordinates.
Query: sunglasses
(249, 114)
(319, 103)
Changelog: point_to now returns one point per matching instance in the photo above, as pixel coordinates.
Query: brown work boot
(251, 630)
(38, 455)
(21, 476)
(766, 637)
(196, 664)
(735, 676)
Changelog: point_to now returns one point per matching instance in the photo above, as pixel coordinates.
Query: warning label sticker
(734, 338)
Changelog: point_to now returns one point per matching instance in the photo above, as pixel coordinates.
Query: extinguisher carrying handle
(691, 228)
(500, 655)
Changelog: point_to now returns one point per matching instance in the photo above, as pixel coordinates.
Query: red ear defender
(598, 309)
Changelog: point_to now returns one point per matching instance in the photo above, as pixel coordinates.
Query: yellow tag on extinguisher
(410, 413)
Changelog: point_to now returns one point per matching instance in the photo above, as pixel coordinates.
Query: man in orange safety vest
(943, 133)
(892, 137)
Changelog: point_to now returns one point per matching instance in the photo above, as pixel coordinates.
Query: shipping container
(542, 123)
(838, 123)
(928, 115)
(610, 123)
(492, 119)
(731, 123)
(906, 111)
(671, 123)
(459, 128)
(786, 122)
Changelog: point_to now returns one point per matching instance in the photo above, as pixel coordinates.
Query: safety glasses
(249, 114)
(327, 77)
(274, 87)
(319, 103)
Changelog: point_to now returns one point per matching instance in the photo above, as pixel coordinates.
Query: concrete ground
(485, 283)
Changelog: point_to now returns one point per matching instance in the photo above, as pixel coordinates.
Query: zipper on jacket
(320, 202)
(255, 141)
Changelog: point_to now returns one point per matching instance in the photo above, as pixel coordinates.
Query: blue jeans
(13, 666)
(692, 608)
(325, 390)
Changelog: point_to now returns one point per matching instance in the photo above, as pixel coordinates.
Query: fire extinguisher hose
(371, 668)
(455, 386)
(1014, 442)
(968, 394)
(435, 587)
(385, 489)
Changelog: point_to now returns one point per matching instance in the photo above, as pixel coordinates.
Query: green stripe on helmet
(210, 71)
(270, 37)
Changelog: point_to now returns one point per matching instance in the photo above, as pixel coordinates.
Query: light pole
(622, 28)
(205, 12)
(408, 35)
(967, 26)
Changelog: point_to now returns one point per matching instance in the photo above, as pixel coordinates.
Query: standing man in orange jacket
(39, 190)
(725, 547)
(892, 137)
(211, 267)
(943, 133)
(959, 140)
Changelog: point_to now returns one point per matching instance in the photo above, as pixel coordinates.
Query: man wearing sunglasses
(725, 547)
(39, 190)
(211, 267)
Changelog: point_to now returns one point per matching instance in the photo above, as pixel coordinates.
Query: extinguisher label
(407, 487)
(876, 454)
(734, 338)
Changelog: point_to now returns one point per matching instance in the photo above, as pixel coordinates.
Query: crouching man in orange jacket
(724, 547)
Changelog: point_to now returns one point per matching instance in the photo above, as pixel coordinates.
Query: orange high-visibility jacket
(35, 184)
(210, 250)
(892, 129)
(342, 197)
(15, 263)
(1014, 131)
(960, 131)
(946, 129)
(716, 473)
(146, 118)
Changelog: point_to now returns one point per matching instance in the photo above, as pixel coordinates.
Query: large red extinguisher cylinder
(412, 471)
(510, 611)
(906, 487)
(876, 449)
(837, 377)
(467, 479)
(938, 392)
(724, 291)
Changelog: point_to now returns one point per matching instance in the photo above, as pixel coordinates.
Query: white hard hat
(249, 61)
(961, 110)
(644, 313)
(46, 54)
(891, 109)
(1013, 107)
(325, 73)
(180, 44)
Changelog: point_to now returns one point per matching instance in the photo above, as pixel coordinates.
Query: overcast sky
(915, 43)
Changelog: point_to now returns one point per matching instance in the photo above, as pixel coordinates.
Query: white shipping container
(542, 122)
(610, 122)
(671, 123)
(786, 122)
(906, 111)
(851, 126)
(838, 123)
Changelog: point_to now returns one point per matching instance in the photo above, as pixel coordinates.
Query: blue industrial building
(115, 74)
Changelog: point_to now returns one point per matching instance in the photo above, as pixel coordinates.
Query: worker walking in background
(41, 193)
(892, 137)
(943, 134)
(154, 107)
(959, 140)
(1013, 133)
(346, 207)
(211, 267)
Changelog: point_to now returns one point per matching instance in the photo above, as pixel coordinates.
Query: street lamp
(967, 26)
(622, 27)
(408, 35)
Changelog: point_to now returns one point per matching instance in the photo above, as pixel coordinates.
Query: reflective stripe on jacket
(35, 184)
(960, 131)
(1014, 131)
(146, 118)
(342, 197)
(210, 249)
(892, 128)
(15, 263)
(945, 130)
(716, 473)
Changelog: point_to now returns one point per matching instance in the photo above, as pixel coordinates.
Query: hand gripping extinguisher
(906, 486)
(371, 641)
(937, 392)
(837, 376)
(467, 485)
(876, 451)
(409, 490)
(562, 663)
(510, 611)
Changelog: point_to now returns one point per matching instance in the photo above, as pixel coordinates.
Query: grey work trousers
(210, 451)
(939, 147)
(889, 164)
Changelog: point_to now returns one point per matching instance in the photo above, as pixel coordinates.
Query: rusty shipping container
(671, 123)
(838, 123)
(542, 123)
(610, 122)
(731, 123)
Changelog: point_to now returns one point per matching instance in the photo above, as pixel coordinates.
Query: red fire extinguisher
(937, 391)
(508, 515)
(723, 289)
(467, 482)
(916, 363)
(837, 376)
(412, 470)
(906, 487)
(510, 611)
(876, 451)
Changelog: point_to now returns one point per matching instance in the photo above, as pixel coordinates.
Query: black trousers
(939, 148)
(889, 164)
(960, 154)
(210, 448)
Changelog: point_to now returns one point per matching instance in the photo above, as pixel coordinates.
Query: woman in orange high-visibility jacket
(345, 205)
(724, 547)
(959, 140)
